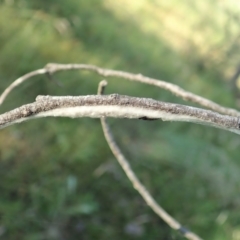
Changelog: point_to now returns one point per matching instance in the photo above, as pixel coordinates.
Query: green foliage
(58, 177)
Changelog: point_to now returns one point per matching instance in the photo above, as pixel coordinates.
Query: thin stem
(117, 106)
(137, 184)
(20, 81)
(174, 89)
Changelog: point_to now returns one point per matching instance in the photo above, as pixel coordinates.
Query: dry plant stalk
(119, 106)
(51, 68)
(135, 181)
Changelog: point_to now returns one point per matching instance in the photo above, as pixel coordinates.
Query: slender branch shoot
(51, 68)
(117, 106)
(135, 181)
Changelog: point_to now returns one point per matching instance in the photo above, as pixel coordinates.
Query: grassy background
(59, 179)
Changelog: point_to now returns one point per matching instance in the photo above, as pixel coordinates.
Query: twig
(135, 181)
(176, 90)
(19, 81)
(117, 106)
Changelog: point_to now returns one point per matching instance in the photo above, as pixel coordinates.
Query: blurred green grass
(59, 178)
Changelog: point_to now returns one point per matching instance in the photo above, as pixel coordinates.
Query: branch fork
(120, 106)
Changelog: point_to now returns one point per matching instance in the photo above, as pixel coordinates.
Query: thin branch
(135, 181)
(121, 107)
(20, 81)
(176, 90)
(117, 106)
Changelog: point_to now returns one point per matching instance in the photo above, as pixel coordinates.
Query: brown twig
(135, 181)
(117, 106)
(176, 90)
(20, 81)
